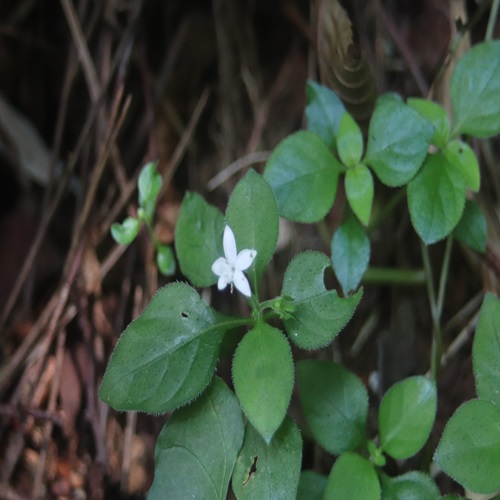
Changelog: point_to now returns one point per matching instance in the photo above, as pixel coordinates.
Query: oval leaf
(303, 174)
(166, 357)
(197, 448)
(323, 112)
(469, 449)
(149, 183)
(350, 254)
(359, 192)
(269, 470)
(319, 314)
(165, 260)
(198, 239)
(252, 214)
(436, 199)
(352, 476)
(398, 138)
(406, 416)
(474, 89)
(461, 155)
(486, 351)
(336, 409)
(410, 486)
(263, 377)
(472, 230)
(349, 141)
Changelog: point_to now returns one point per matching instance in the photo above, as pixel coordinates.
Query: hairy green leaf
(197, 448)
(319, 314)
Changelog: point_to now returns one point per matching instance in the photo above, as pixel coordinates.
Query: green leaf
(269, 470)
(335, 404)
(437, 115)
(320, 314)
(349, 141)
(436, 199)
(406, 416)
(410, 486)
(165, 260)
(486, 351)
(352, 476)
(398, 138)
(472, 230)
(149, 187)
(197, 448)
(461, 155)
(198, 239)
(350, 254)
(263, 377)
(252, 214)
(125, 233)
(311, 485)
(359, 191)
(474, 89)
(469, 449)
(167, 356)
(303, 174)
(323, 112)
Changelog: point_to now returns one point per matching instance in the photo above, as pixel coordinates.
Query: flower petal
(229, 244)
(244, 259)
(222, 283)
(221, 267)
(241, 283)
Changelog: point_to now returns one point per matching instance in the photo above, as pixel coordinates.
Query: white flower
(230, 267)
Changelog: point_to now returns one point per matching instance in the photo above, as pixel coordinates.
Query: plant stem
(492, 20)
(436, 305)
(385, 275)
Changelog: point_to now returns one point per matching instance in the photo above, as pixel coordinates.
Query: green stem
(385, 275)
(492, 20)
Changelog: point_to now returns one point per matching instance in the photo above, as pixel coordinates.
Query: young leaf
(469, 449)
(412, 485)
(149, 184)
(303, 174)
(437, 115)
(335, 408)
(165, 260)
(319, 314)
(349, 141)
(474, 89)
(198, 239)
(436, 199)
(197, 448)
(486, 351)
(166, 357)
(350, 254)
(269, 470)
(252, 214)
(398, 138)
(461, 155)
(352, 476)
(311, 485)
(125, 233)
(471, 230)
(323, 112)
(406, 416)
(359, 191)
(263, 377)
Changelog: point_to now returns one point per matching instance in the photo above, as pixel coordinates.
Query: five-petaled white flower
(230, 267)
